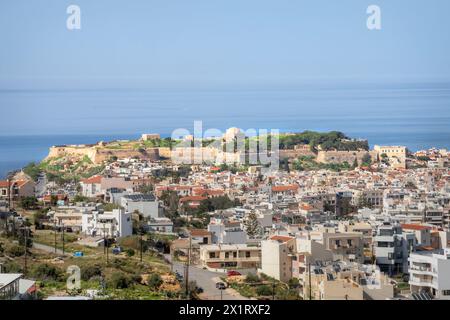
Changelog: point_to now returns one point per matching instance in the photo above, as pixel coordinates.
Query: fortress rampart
(97, 154)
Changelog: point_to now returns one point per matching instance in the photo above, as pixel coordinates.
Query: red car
(233, 273)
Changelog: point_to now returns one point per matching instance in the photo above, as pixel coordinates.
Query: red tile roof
(199, 232)
(193, 198)
(4, 184)
(17, 183)
(48, 197)
(208, 192)
(415, 227)
(293, 187)
(281, 238)
(92, 180)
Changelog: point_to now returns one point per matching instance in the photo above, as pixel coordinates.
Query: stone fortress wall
(345, 156)
(97, 153)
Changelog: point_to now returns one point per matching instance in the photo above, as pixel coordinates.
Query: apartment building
(146, 204)
(345, 246)
(160, 225)
(230, 256)
(226, 232)
(430, 273)
(116, 223)
(277, 253)
(343, 281)
(91, 187)
(392, 247)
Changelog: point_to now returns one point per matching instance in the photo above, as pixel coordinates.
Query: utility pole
(273, 290)
(9, 195)
(104, 239)
(54, 229)
(107, 249)
(141, 242)
(63, 241)
(373, 253)
(25, 230)
(309, 276)
(187, 266)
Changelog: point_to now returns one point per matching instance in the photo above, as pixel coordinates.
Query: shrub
(91, 271)
(46, 272)
(293, 283)
(133, 242)
(28, 202)
(15, 250)
(251, 277)
(130, 252)
(263, 290)
(136, 278)
(119, 280)
(155, 281)
(12, 267)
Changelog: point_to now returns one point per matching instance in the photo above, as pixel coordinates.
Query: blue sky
(141, 43)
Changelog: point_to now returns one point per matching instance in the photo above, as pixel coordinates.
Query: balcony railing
(419, 268)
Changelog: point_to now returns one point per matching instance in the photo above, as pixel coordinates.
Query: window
(349, 242)
(247, 254)
(212, 255)
(338, 243)
(390, 256)
(234, 254)
(383, 244)
(446, 292)
(227, 255)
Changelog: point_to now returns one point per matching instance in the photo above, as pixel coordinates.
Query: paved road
(47, 248)
(207, 281)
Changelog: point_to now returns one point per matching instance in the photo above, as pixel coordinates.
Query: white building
(116, 223)
(430, 273)
(224, 232)
(14, 287)
(391, 247)
(146, 204)
(276, 257)
(160, 225)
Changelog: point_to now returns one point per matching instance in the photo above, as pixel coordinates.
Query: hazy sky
(147, 42)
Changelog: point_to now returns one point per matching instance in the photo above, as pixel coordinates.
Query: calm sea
(413, 114)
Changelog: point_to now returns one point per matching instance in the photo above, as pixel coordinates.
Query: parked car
(221, 286)
(233, 273)
(78, 254)
(199, 290)
(116, 250)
